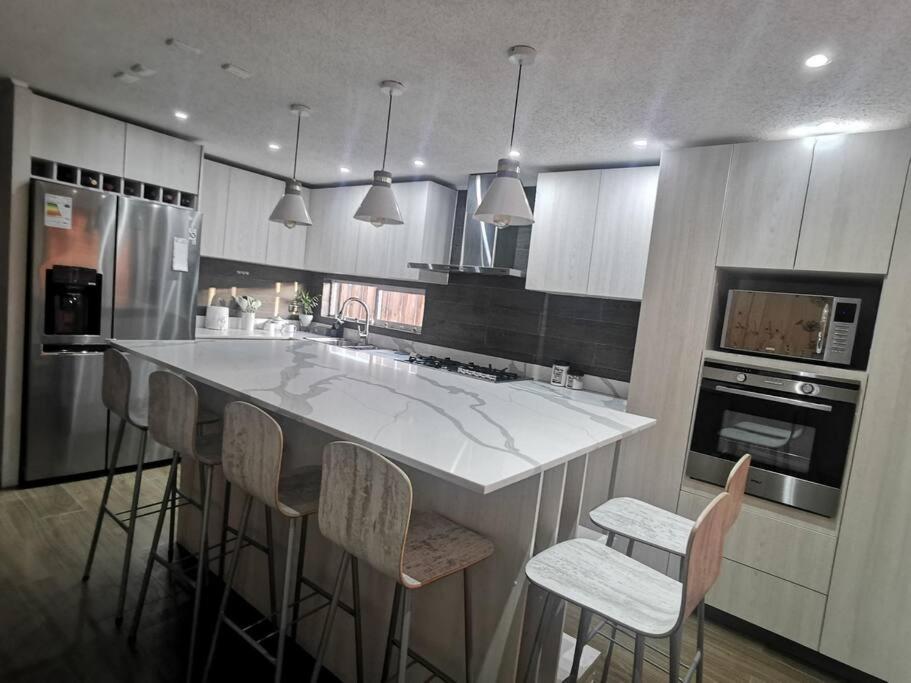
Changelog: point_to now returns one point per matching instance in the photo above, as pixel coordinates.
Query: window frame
(376, 304)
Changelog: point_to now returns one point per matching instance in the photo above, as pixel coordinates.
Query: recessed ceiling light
(816, 61)
(418, 162)
(124, 77)
(142, 70)
(274, 146)
(828, 128)
(344, 169)
(235, 70)
(640, 143)
(186, 47)
(514, 153)
(182, 115)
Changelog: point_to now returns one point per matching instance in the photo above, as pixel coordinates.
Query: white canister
(217, 318)
(271, 328)
(247, 321)
(576, 381)
(559, 374)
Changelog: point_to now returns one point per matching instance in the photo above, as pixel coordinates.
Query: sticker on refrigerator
(180, 255)
(58, 211)
(192, 235)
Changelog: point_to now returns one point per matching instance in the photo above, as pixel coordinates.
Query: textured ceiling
(677, 72)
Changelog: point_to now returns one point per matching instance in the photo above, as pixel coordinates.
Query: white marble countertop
(237, 333)
(476, 434)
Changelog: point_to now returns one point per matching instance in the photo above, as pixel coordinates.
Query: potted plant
(304, 303)
(248, 306)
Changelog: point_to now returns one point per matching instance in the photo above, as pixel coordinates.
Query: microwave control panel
(842, 330)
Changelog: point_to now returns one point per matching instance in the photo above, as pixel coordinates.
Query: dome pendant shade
(291, 210)
(379, 206)
(505, 202)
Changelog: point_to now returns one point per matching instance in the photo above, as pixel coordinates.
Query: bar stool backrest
(115, 383)
(173, 412)
(365, 506)
(251, 451)
(735, 487)
(703, 557)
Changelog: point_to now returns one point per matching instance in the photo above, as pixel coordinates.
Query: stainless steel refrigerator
(102, 266)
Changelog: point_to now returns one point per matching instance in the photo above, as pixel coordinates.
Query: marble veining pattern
(610, 584)
(645, 523)
(479, 435)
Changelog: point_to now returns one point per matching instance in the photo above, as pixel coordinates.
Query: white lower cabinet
(591, 233)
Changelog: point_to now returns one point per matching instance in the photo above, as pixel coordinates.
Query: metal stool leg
(330, 616)
(201, 566)
(585, 619)
(229, 582)
(204, 487)
(286, 590)
(301, 548)
(356, 602)
(638, 659)
(137, 615)
(403, 637)
(393, 623)
(674, 657)
(536, 643)
(225, 515)
(131, 529)
(466, 613)
(104, 499)
(172, 518)
(270, 559)
(700, 640)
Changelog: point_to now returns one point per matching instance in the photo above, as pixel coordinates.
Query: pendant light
(291, 210)
(505, 202)
(379, 206)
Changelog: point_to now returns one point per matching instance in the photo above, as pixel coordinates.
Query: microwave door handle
(775, 399)
(823, 328)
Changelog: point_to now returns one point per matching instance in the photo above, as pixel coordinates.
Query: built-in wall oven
(796, 426)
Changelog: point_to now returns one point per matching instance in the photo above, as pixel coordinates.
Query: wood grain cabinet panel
(285, 247)
(763, 204)
(623, 228)
(161, 159)
(213, 203)
(566, 206)
(868, 618)
(332, 240)
(248, 209)
(74, 136)
(674, 320)
(853, 201)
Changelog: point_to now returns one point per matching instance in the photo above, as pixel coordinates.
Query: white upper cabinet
(286, 247)
(591, 232)
(251, 198)
(161, 159)
(623, 229)
(332, 239)
(60, 132)
(566, 207)
(213, 203)
(763, 204)
(853, 201)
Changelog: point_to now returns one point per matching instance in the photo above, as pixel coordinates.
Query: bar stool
(116, 395)
(173, 410)
(252, 461)
(365, 507)
(641, 522)
(649, 604)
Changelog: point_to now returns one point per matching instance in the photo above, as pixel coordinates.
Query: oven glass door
(802, 437)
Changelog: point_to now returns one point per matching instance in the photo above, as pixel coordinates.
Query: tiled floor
(55, 628)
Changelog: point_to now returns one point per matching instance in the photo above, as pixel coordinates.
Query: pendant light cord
(388, 119)
(515, 109)
(297, 142)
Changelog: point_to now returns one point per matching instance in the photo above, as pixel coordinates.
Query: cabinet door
(852, 202)
(285, 247)
(213, 203)
(384, 252)
(763, 204)
(76, 137)
(248, 217)
(561, 238)
(333, 238)
(162, 160)
(623, 227)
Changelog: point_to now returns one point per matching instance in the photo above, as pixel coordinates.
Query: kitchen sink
(342, 343)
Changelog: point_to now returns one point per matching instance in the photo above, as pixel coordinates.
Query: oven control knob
(807, 388)
(741, 377)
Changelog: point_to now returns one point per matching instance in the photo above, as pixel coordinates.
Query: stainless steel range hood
(486, 250)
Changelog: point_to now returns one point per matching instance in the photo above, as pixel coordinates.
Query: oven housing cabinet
(796, 426)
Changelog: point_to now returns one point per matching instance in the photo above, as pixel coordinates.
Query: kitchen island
(507, 460)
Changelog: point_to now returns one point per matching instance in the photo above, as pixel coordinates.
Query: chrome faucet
(361, 332)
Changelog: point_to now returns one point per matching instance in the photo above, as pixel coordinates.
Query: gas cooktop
(489, 373)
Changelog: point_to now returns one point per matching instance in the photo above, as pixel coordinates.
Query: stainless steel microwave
(806, 326)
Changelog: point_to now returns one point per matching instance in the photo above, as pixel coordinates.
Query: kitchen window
(392, 307)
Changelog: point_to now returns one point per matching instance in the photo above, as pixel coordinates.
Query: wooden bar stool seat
(437, 547)
(298, 491)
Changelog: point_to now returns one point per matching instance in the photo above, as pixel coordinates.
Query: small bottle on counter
(559, 374)
(576, 380)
